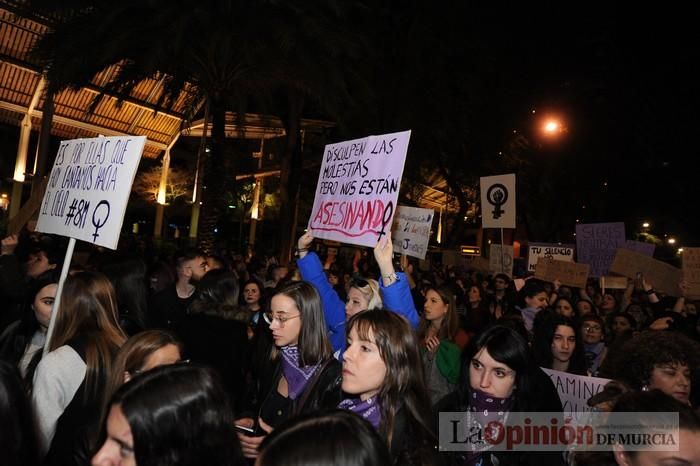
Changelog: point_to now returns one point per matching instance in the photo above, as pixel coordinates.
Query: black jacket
(321, 393)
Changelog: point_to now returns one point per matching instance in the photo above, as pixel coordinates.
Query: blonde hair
(370, 291)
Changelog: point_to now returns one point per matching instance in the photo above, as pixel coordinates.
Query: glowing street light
(552, 127)
(672, 241)
(646, 224)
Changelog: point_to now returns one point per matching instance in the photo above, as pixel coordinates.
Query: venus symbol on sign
(497, 195)
(97, 220)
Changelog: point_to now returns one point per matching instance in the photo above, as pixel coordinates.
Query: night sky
(625, 81)
(622, 78)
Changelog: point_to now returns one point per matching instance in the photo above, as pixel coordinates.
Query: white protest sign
(575, 390)
(357, 188)
(411, 231)
(89, 187)
(501, 259)
(560, 252)
(498, 201)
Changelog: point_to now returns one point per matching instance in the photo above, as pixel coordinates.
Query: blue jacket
(396, 297)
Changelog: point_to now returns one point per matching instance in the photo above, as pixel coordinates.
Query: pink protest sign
(357, 188)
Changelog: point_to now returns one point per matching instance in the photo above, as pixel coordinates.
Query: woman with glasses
(392, 292)
(302, 375)
(383, 374)
(593, 332)
(502, 377)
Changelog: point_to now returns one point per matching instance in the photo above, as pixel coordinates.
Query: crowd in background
(186, 358)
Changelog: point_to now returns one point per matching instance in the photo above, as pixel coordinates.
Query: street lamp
(672, 241)
(552, 127)
(646, 225)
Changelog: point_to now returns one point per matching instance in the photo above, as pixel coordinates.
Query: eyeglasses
(269, 318)
(592, 328)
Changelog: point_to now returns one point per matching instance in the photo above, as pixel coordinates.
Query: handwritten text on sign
(597, 243)
(560, 252)
(89, 187)
(357, 188)
(411, 230)
(575, 390)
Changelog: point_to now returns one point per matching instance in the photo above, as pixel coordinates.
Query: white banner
(357, 188)
(560, 252)
(89, 187)
(411, 231)
(498, 201)
(575, 390)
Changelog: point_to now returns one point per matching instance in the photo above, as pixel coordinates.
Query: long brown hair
(89, 309)
(450, 323)
(133, 354)
(404, 384)
(313, 343)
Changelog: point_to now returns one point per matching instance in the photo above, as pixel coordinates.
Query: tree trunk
(454, 236)
(290, 174)
(213, 181)
(44, 136)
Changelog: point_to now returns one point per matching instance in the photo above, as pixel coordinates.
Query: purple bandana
(297, 377)
(368, 409)
(486, 408)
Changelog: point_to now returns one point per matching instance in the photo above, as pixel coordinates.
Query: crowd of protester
(189, 359)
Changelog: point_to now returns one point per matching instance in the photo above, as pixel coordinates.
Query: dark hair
(335, 438)
(649, 404)
(637, 358)
(531, 288)
(404, 385)
(179, 415)
(626, 315)
(13, 350)
(450, 323)
(508, 347)
(188, 255)
(18, 433)
(313, 343)
(217, 293)
(544, 337)
(261, 290)
(129, 281)
(574, 311)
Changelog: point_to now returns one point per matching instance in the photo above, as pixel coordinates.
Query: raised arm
(311, 271)
(395, 289)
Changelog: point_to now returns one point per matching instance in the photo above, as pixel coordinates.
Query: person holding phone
(302, 376)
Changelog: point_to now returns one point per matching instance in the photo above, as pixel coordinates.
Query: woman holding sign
(70, 380)
(362, 295)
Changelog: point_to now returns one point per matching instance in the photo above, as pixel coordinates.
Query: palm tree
(231, 53)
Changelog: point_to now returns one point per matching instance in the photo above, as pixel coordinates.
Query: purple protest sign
(357, 188)
(642, 248)
(597, 243)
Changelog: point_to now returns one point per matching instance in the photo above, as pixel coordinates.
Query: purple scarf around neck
(297, 377)
(483, 409)
(368, 409)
